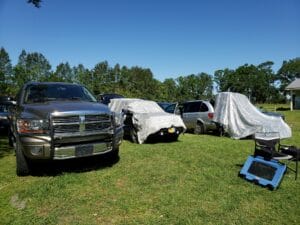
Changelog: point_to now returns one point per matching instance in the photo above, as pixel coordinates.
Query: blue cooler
(267, 173)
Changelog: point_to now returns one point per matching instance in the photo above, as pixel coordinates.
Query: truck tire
(199, 129)
(112, 157)
(11, 139)
(21, 161)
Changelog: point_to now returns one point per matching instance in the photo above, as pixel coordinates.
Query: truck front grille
(80, 123)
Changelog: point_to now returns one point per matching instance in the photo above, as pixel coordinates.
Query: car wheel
(199, 129)
(115, 153)
(133, 135)
(113, 156)
(23, 168)
(11, 139)
(221, 131)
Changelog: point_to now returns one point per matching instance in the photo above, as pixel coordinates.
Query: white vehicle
(241, 119)
(146, 121)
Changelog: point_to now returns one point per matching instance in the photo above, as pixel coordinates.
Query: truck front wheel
(22, 163)
(113, 156)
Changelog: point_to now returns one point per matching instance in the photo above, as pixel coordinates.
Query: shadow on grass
(4, 148)
(160, 139)
(56, 168)
(283, 109)
(239, 165)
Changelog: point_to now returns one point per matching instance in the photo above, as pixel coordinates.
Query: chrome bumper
(39, 147)
(81, 150)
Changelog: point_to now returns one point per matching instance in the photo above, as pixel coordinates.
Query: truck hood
(45, 109)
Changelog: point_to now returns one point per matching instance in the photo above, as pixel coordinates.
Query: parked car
(59, 121)
(105, 98)
(198, 116)
(171, 108)
(164, 105)
(146, 121)
(5, 103)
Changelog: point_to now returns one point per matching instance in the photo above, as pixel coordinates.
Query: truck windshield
(38, 93)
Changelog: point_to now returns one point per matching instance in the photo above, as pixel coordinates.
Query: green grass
(192, 181)
(274, 107)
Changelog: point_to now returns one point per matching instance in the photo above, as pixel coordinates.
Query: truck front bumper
(41, 147)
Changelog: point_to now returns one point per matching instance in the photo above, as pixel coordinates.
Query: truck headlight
(27, 126)
(118, 119)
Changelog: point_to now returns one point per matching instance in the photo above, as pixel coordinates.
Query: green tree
(289, 71)
(83, 76)
(31, 67)
(256, 82)
(63, 73)
(141, 83)
(116, 77)
(193, 86)
(224, 79)
(36, 3)
(124, 85)
(37, 66)
(101, 78)
(20, 73)
(265, 89)
(168, 90)
(5, 73)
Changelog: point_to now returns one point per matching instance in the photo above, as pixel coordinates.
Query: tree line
(260, 83)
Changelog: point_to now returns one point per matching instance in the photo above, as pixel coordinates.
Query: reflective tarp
(240, 118)
(147, 116)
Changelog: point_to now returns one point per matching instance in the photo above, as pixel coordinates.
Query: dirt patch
(17, 203)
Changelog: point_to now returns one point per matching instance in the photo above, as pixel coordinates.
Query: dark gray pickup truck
(57, 121)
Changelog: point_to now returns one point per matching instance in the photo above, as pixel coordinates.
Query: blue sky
(170, 37)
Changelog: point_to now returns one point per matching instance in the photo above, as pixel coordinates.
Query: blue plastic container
(267, 173)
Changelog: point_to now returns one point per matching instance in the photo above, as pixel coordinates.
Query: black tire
(199, 129)
(133, 135)
(113, 156)
(10, 142)
(22, 167)
(220, 131)
(10, 139)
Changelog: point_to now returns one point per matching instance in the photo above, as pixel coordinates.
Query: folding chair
(267, 145)
(295, 153)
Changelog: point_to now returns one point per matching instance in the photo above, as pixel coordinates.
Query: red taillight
(210, 115)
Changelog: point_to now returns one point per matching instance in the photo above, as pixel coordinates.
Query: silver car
(198, 116)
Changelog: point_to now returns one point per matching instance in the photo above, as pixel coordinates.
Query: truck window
(56, 92)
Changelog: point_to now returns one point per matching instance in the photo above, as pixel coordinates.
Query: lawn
(192, 181)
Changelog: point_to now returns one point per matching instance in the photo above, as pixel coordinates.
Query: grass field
(192, 181)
